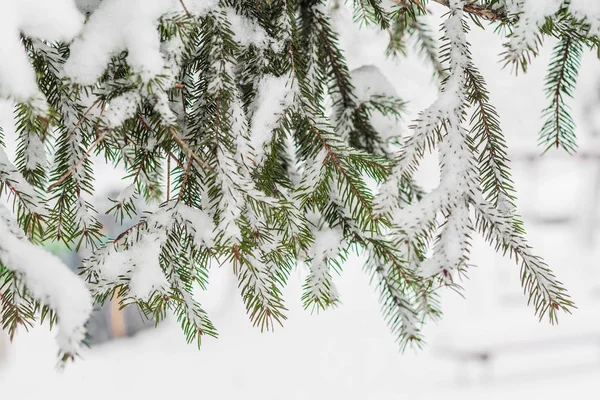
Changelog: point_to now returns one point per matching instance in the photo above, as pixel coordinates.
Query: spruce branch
(545, 292)
(185, 147)
(559, 127)
(487, 138)
(483, 11)
(187, 12)
(80, 161)
(272, 157)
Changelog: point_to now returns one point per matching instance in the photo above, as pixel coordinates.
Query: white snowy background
(348, 352)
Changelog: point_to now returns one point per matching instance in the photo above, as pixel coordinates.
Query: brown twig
(150, 130)
(185, 8)
(168, 178)
(482, 11)
(17, 319)
(129, 230)
(187, 148)
(94, 104)
(81, 160)
(185, 179)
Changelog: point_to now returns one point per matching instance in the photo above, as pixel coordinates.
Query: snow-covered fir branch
(241, 123)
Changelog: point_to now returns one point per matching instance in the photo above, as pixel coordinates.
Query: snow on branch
(116, 26)
(506, 233)
(12, 179)
(525, 36)
(263, 150)
(440, 126)
(52, 20)
(319, 287)
(43, 277)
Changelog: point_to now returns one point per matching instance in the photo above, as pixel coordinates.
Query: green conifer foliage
(260, 154)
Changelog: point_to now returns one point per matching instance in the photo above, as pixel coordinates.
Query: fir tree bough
(243, 123)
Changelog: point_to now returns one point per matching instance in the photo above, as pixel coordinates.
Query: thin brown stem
(81, 160)
(78, 124)
(185, 179)
(129, 230)
(150, 130)
(482, 11)
(185, 8)
(188, 150)
(168, 178)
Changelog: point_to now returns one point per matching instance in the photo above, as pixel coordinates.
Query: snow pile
(47, 280)
(121, 109)
(274, 96)
(115, 26)
(588, 11)
(17, 184)
(369, 82)
(532, 16)
(148, 276)
(52, 20)
(246, 31)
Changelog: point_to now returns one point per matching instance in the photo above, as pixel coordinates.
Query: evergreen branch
(81, 160)
(186, 176)
(83, 117)
(171, 155)
(188, 150)
(429, 46)
(559, 127)
(488, 139)
(187, 12)
(13, 315)
(276, 154)
(539, 283)
(480, 10)
(372, 11)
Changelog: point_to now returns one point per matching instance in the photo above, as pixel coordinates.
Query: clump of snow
(126, 194)
(369, 81)
(532, 16)
(140, 263)
(121, 109)
(232, 201)
(148, 276)
(35, 152)
(48, 280)
(52, 20)
(116, 26)
(88, 5)
(83, 213)
(327, 245)
(201, 223)
(246, 31)
(200, 7)
(275, 95)
(589, 11)
(14, 180)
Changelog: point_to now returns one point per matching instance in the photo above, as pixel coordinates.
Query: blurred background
(488, 345)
